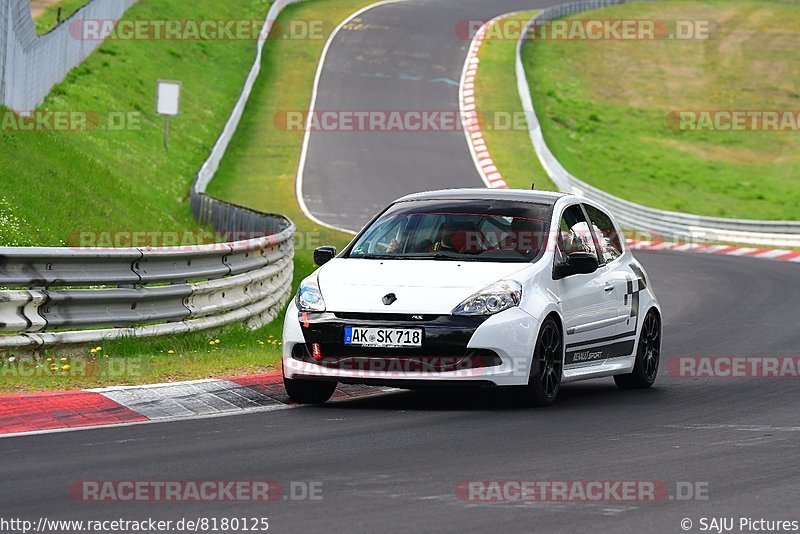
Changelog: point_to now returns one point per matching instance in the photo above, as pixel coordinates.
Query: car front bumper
(456, 350)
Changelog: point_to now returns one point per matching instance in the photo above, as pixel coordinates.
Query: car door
(625, 284)
(589, 309)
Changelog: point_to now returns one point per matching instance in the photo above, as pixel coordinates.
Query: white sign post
(168, 104)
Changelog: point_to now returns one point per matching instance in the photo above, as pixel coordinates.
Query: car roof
(522, 195)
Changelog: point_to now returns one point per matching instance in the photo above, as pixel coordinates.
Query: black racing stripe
(601, 340)
(640, 273)
(635, 305)
(605, 352)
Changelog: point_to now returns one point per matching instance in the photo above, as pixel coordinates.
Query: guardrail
(64, 296)
(673, 225)
(145, 291)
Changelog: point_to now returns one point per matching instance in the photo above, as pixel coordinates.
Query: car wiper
(435, 256)
(377, 257)
(463, 258)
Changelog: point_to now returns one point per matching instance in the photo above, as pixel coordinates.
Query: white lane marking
(307, 136)
(741, 428)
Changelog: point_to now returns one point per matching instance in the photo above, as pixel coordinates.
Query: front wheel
(544, 381)
(309, 391)
(645, 369)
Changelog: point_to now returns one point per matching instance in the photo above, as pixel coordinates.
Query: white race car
(478, 287)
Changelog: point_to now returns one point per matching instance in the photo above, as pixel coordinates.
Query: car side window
(574, 234)
(607, 236)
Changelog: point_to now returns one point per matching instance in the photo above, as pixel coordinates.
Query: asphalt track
(391, 463)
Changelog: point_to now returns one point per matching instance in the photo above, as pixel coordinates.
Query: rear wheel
(544, 381)
(309, 391)
(645, 369)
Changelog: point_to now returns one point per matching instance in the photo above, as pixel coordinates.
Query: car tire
(547, 367)
(309, 391)
(645, 369)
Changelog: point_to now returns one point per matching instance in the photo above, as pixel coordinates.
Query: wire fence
(31, 64)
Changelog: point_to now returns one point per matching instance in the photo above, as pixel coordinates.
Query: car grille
(395, 360)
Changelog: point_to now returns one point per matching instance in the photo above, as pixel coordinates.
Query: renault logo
(390, 299)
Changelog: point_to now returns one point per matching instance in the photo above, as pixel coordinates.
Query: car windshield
(459, 230)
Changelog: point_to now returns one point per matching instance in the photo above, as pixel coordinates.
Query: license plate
(382, 337)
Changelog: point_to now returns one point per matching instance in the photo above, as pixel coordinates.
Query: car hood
(421, 286)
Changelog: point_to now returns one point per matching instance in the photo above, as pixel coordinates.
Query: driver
(446, 240)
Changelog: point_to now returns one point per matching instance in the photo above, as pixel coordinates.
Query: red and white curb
(723, 250)
(470, 119)
(38, 413)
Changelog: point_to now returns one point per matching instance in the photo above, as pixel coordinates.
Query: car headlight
(309, 297)
(497, 297)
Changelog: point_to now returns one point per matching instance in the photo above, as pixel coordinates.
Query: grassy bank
(260, 167)
(117, 176)
(259, 171)
(235, 351)
(604, 108)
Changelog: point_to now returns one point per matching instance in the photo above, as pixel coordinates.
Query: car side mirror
(577, 263)
(323, 255)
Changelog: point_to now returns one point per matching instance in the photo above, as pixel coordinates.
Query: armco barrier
(672, 225)
(62, 296)
(30, 65)
(141, 291)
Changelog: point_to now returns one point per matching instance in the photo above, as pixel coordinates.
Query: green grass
(48, 19)
(137, 361)
(260, 167)
(497, 96)
(604, 108)
(57, 184)
(134, 185)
